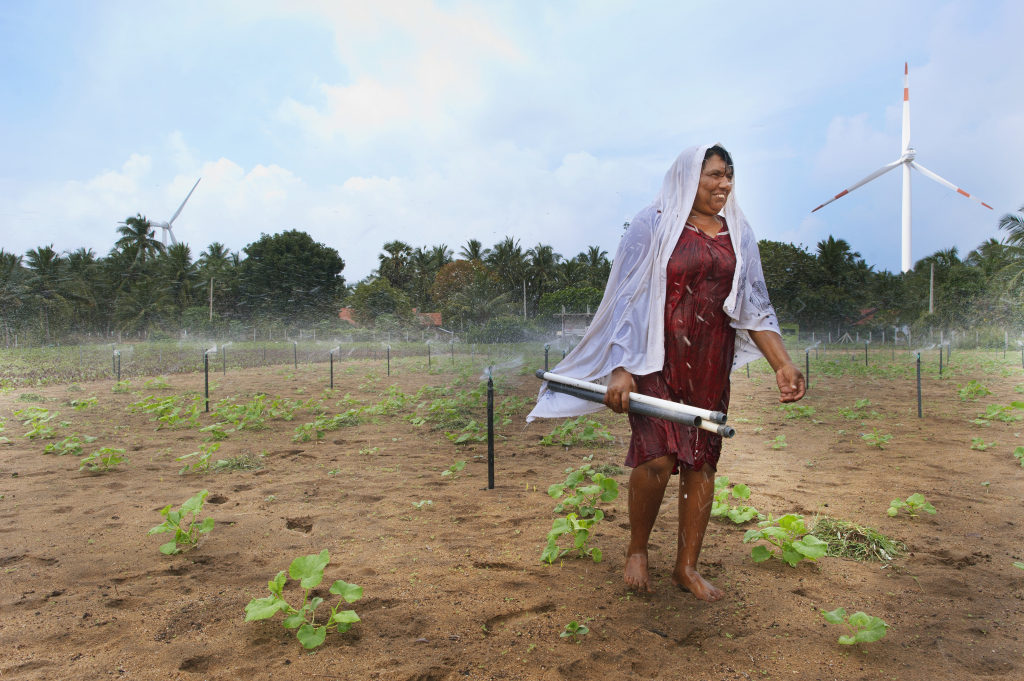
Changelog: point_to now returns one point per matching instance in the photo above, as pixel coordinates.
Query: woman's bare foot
(688, 578)
(636, 573)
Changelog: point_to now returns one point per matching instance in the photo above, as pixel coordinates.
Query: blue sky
(437, 122)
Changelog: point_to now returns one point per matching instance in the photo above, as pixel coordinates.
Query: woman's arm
(789, 378)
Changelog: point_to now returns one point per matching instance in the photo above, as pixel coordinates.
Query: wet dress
(698, 352)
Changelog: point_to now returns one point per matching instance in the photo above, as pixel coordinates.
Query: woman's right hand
(620, 385)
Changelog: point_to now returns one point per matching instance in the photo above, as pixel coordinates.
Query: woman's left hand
(791, 383)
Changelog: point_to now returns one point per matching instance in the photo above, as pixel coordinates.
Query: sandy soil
(455, 589)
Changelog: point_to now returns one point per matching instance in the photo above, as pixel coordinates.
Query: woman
(685, 304)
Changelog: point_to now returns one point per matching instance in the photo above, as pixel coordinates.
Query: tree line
(287, 281)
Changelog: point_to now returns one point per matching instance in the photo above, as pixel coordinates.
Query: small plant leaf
(311, 637)
(350, 592)
(263, 608)
(309, 569)
(834, 616)
(760, 553)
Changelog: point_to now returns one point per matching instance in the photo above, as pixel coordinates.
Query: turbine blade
(170, 232)
(177, 212)
(946, 183)
(881, 171)
(905, 127)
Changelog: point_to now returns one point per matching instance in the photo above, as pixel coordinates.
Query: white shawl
(628, 329)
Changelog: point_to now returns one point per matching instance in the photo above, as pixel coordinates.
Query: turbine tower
(906, 161)
(166, 226)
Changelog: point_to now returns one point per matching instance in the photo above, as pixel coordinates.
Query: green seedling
(121, 386)
(71, 445)
(368, 451)
(581, 430)
(778, 443)
(184, 523)
(158, 383)
(720, 507)
(876, 439)
(859, 411)
(200, 460)
(103, 460)
(579, 530)
(453, 470)
(979, 444)
(214, 432)
(1005, 413)
(863, 628)
(972, 391)
(81, 405)
(796, 411)
(1018, 453)
(574, 630)
(31, 397)
(423, 503)
(37, 420)
(788, 539)
(580, 497)
(472, 432)
(323, 423)
(309, 571)
(914, 503)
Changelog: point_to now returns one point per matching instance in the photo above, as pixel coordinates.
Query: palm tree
(137, 238)
(11, 290)
(598, 266)
(85, 287)
(542, 272)
(178, 274)
(1013, 223)
(474, 250)
(394, 265)
(509, 264)
(44, 284)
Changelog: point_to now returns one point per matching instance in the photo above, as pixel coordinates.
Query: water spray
(712, 421)
(206, 375)
(224, 358)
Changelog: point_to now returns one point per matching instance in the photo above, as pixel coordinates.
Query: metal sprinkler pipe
(295, 353)
(389, 360)
(919, 385)
(547, 346)
(490, 429)
(807, 369)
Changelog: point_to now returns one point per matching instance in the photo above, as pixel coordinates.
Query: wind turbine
(166, 226)
(906, 160)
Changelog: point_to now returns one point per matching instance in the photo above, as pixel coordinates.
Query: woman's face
(715, 185)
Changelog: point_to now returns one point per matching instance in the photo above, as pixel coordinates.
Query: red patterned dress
(698, 352)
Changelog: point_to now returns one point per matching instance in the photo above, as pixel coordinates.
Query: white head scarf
(628, 329)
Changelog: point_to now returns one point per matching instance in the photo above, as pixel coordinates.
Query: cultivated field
(451, 572)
